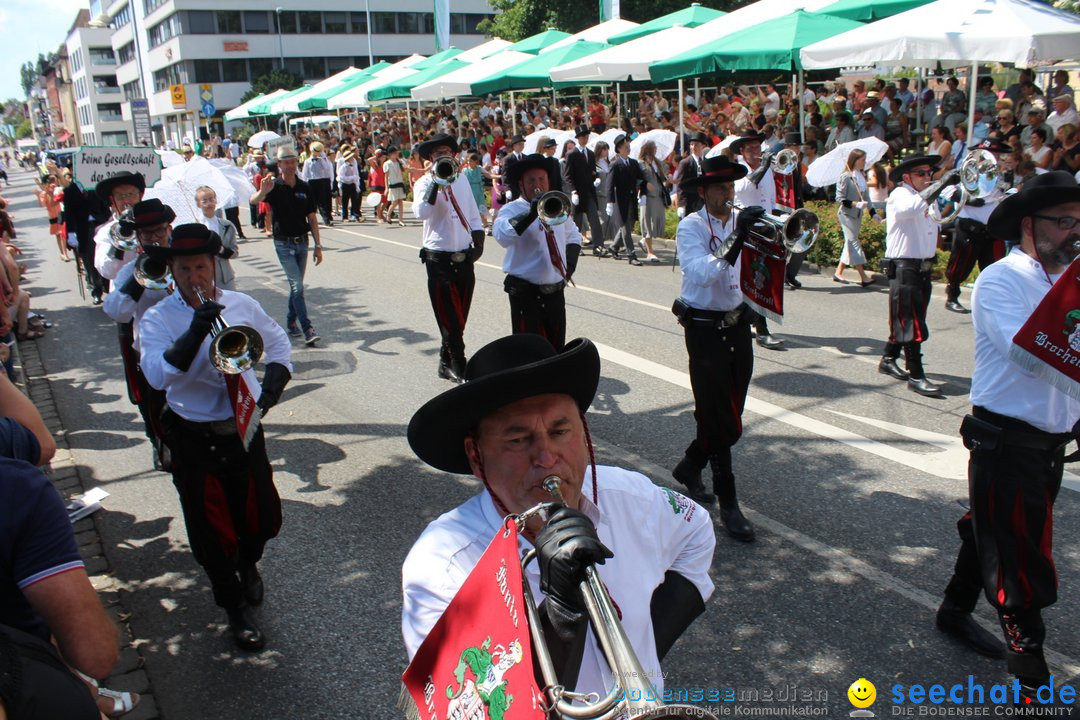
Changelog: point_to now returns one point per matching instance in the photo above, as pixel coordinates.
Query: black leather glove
(477, 244)
(132, 288)
(432, 194)
(674, 605)
(976, 202)
(274, 380)
(572, 252)
(747, 218)
(182, 352)
(225, 253)
(564, 547)
(522, 222)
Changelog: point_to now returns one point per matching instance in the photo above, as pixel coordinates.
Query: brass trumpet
(977, 177)
(554, 208)
(233, 348)
(444, 171)
(796, 231)
(151, 273)
(122, 235)
(633, 695)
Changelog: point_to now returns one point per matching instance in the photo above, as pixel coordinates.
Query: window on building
(114, 139)
(261, 66)
(359, 22)
(121, 18)
(101, 56)
(457, 23)
(314, 68)
(295, 66)
(234, 71)
(167, 76)
(150, 6)
(310, 22)
(472, 20)
(228, 22)
(206, 71)
(163, 31)
(109, 112)
(201, 22)
(427, 23)
(334, 22)
(408, 23)
(256, 21)
(76, 60)
(337, 64)
(286, 21)
(106, 85)
(385, 22)
(125, 54)
(131, 90)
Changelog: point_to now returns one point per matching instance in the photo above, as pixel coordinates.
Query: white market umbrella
(826, 170)
(179, 197)
(241, 111)
(664, 140)
(357, 96)
(628, 61)
(291, 104)
(596, 33)
(483, 50)
(459, 82)
(236, 177)
(261, 138)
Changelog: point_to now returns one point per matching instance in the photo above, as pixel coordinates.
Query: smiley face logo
(862, 693)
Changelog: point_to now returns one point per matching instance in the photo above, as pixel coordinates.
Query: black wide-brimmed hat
(425, 148)
(994, 145)
(897, 174)
(105, 187)
(500, 373)
(532, 161)
(745, 137)
(718, 168)
(191, 239)
(1040, 192)
(150, 212)
(581, 130)
(515, 140)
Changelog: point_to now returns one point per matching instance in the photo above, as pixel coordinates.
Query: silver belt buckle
(458, 257)
(731, 317)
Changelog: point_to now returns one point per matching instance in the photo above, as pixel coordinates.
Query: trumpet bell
(122, 237)
(948, 203)
(979, 174)
(152, 274)
(554, 208)
(800, 231)
(784, 162)
(444, 171)
(236, 349)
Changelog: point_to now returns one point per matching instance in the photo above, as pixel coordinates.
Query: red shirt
(497, 143)
(597, 114)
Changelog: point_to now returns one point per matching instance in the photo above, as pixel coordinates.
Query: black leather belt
(513, 281)
(446, 258)
(912, 263)
(291, 238)
(213, 427)
(710, 318)
(1021, 434)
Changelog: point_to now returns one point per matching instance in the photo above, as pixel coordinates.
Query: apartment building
(98, 97)
(160, 44)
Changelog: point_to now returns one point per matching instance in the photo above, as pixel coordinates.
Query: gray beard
(1059, 256)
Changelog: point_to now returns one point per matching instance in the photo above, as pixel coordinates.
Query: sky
(29, 27)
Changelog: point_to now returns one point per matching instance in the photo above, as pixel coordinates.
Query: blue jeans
(293, 259)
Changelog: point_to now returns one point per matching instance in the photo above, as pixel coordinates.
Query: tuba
(122, 234)
(634, 696)
(977, 177)
(554, 208)
(151, 273)
(444, 171)
(233, 348)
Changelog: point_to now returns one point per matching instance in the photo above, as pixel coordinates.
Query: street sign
(179, 96)
(208, 109)
(140, 116)
(206, 93)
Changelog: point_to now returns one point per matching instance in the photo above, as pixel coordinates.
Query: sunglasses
(922, 173)
(1065, 222)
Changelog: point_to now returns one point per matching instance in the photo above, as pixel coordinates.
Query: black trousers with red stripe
(533, 309)
(150, 402)
(1007, 535)
(231, 506)
(909, 297)
(971, 244)
(450, 287)
(721, 364)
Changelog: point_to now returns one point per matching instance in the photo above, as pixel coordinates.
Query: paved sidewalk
(68, 478)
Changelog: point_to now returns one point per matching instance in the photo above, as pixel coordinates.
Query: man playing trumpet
(231, 507)
(453, 241)
(518, 419)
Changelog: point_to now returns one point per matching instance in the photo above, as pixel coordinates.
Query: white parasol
(607, 136)
(722, 146)
(170, 158)
(236, 177)
(559, 136)
(664, 140)
(178, 185)
(826, 170)
(261, 138)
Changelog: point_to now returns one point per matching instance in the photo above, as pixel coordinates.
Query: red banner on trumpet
(762, 279)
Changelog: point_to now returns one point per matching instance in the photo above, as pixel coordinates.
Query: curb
(67, 477)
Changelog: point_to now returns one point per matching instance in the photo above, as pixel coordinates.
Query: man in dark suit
(517, 144)
(690, 168)
(627, 181)
(579, 179)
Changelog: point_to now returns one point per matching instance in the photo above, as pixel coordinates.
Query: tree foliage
(28, 75)
(1072, 6)
(24, 130)
(276, 79)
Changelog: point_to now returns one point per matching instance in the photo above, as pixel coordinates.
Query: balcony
(103, 61)
(107, 90)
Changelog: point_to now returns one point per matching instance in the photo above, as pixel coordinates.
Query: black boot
(917, 381)
(736, 525)
(252, 583)
(888, 365)
(958, 624)
(457, 366)
(246, 634)
(688, 473)
(446, 371)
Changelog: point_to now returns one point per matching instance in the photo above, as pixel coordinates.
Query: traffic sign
(206, 93)
(208, 109)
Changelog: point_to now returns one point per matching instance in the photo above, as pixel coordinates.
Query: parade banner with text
(762, 279)
(94, 164)
(477, 660)
(1048, 344)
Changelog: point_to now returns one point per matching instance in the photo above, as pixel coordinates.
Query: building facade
(98, 97)
(162, 44)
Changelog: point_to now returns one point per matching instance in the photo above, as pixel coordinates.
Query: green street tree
(276, 79)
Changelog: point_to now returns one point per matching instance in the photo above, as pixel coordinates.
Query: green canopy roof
(687, 17)
(869, 10)
(771, 45)
(436, 59)
(319, 101)
(538, 42)
(535, 73)
(400, 88)
(264, 108)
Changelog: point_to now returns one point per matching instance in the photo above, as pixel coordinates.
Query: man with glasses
(911, 239)
(1017, 433)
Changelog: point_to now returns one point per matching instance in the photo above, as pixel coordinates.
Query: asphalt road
(853, 482)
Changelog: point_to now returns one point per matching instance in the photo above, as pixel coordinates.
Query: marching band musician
(716, 326)
(519, 418)
(756, 189)
(910, 243)
(971, 242)
(129, 300)
(540, 258)
(231, 507)
(453, 242)
(1017, 432)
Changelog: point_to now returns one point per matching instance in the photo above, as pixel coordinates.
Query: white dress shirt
(252, 169)
(1006, 294)
(708, 282)
(909, 231)
(348, 173)
(747, 194)
(527, 255)
(982, 213)
(199, 394)
(317, 168)
(122, 308)
(443, 231)
(106, 264)
(649, 529)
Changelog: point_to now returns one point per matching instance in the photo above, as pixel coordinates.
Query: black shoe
(924, 387)
(690, 476)
(960, 626)
(252, 583)
(633, 260)
(736, 525)
(956, 307)
(457, 366)
(888, 366)
(447, 373)
(246, 634)
(766, 340)
(601, 252)
(792, 283)
(96, 299)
